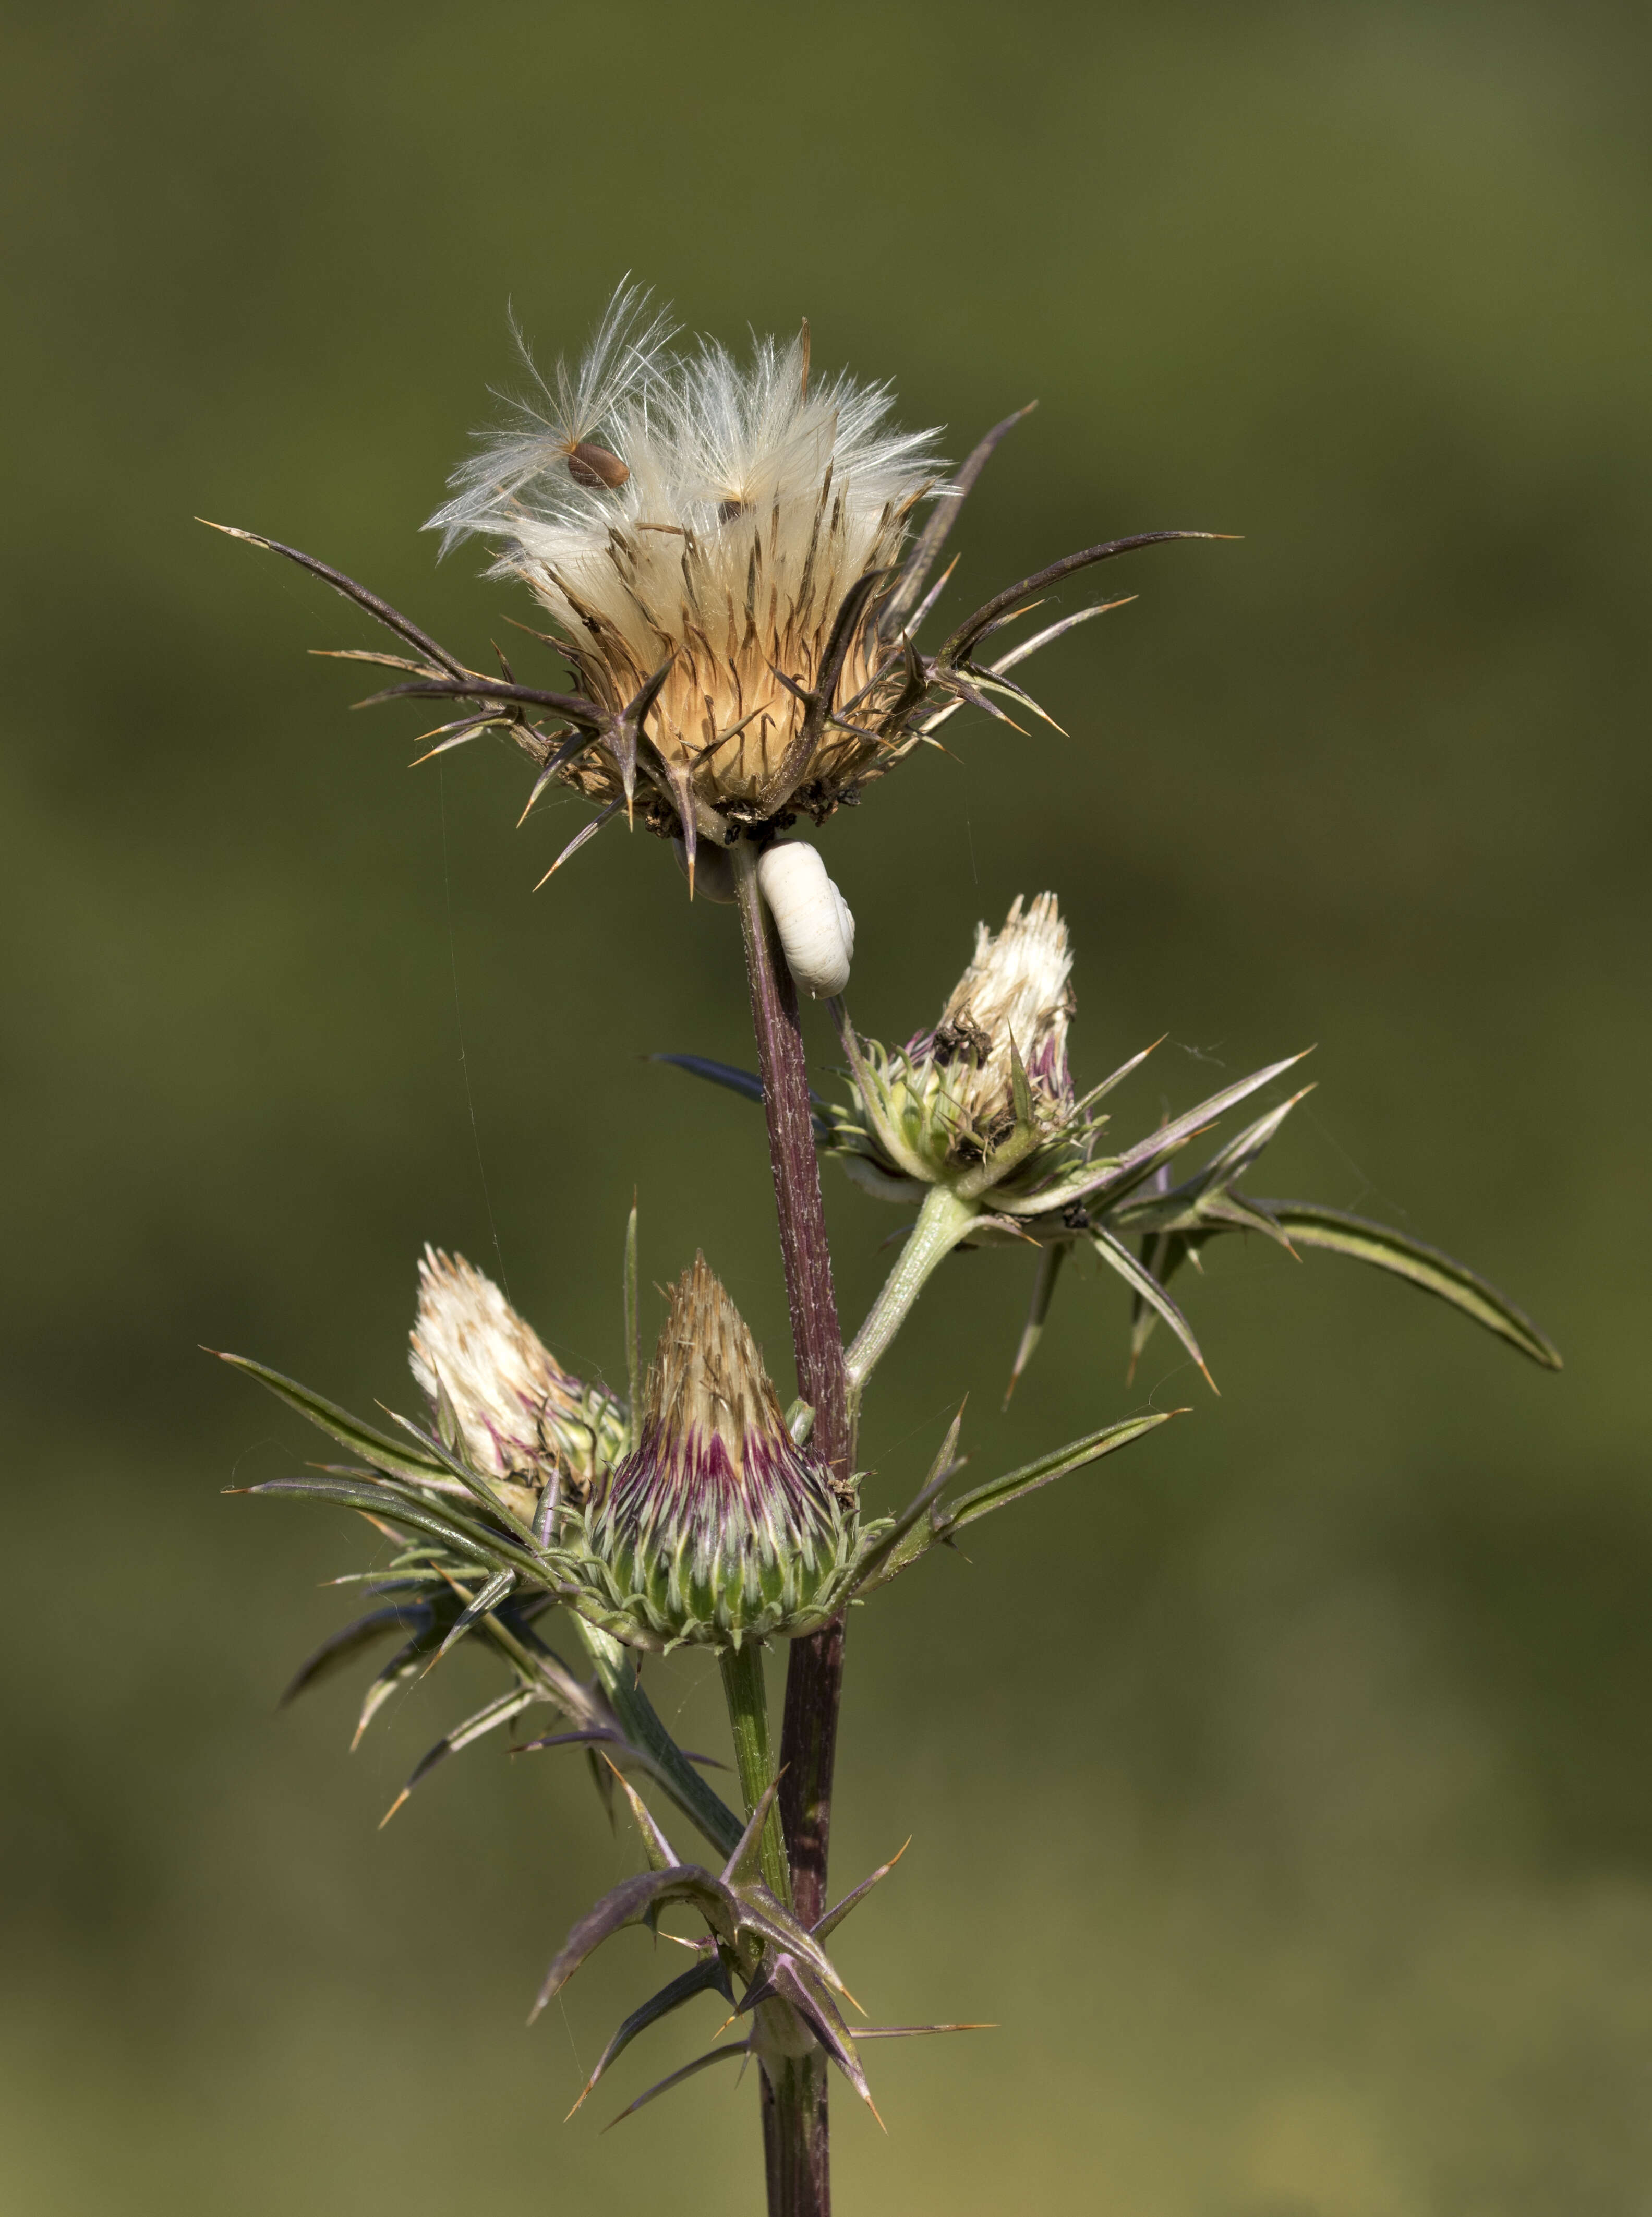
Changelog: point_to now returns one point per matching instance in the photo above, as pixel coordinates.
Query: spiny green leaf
(377, 1499)
(394, 1455)
(1230, 1162)
(637, 1901)
(467, 1481)
(643, 1725)
(406, 1665)
(746, 1082)
(784, 1980)
(708, 1977)
(1107, 1085)
(1050, 1258)
(758, 1912)
(490, 1596)
(1307, 1225)
(675, 2079)
(401, 1504)
(347, 1644)
(660, 1854)
(880, 1558)
(826, 1924)
(1016, 1483)
(746, 1855)
(1115, 1175)
(497, 1712)
(1163, 1254)
(1146, 1288)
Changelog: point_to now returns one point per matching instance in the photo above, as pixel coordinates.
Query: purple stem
(794, 2111)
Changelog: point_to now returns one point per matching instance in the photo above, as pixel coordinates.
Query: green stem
(942, 1222)
(640, 1721)
(747, 1694)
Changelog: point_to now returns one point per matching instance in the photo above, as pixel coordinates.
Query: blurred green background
(1281, 1788)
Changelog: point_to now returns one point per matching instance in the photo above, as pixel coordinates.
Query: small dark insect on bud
(960, 1037)
(592, 466)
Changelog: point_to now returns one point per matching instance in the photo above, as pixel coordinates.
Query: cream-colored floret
(1015, 989)
(507, 1389)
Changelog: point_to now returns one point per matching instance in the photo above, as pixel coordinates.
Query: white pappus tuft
(557, 440)
(812, 918)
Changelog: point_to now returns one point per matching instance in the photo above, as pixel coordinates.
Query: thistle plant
(731, 561)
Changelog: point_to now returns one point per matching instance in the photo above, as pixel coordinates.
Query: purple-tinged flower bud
(718, 1527)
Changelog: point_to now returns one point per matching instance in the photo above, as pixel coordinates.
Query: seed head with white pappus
(725, 549)
(718, 1527)
(688, 517)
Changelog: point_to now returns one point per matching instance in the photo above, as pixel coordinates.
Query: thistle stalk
(747, 1695)
(943, 1220)
(795, 2118)
(748, 527)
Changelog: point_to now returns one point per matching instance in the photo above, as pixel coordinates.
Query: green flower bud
(718, 1527)
(985, 1099)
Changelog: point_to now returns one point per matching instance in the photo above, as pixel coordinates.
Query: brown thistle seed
(592, 466)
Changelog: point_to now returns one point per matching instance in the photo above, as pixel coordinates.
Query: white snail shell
(810, 914)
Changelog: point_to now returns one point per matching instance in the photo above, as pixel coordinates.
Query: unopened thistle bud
(718, 1527)
(990, 1082)
(522, 1421)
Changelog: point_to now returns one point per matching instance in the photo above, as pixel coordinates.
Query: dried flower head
(724, 551)
(736, 511)
(718, 1527)
(709, 537)
(499, 1392)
